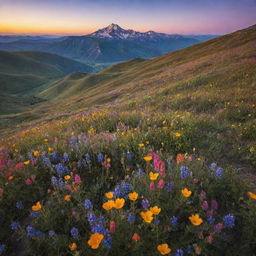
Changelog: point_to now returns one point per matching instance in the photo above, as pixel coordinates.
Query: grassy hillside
(173, 139)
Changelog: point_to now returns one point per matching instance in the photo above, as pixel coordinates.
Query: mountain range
(105, 46)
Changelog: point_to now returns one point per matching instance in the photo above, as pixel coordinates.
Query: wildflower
(211, 220)
(67, 197)
(135, 237)
(52, 233)
(133, 196)
(214, 204)
(91, 218)
(95, 240)
(179, 252)
(160, 184)
(65, 157)
(87, 205)
(155, 210)
(177, 134)
(141, 145)
(119, 203)
(109, 195)
(74, 232)
(2, 248)
(169, 186)
(147, 158)
(36, 153)
(184, 173)
(145, 203)
(163, 249)
(19, 205)
(108, 242)
(218, 227)
(180, 158)
(26, 162)
(219, 172)
(15, 225)
(229, 221)
(153, 176)
(100, 158)
(251, 195)
(152, 186)
(37, 207)
(195, 220)
(147, 216)
(108, 205)
(185, 192)
(204, 205)
(174, 221)
(131, 218)
(77, 179)
(198, 250)
(67, 177)
(73, 246)
(129, 156)
(50, 149)
(34, 214)
(112, 226)
(28, 181)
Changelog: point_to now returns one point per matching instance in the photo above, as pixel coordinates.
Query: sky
(80, 17)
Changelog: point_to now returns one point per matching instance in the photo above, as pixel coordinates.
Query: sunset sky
(78, 17)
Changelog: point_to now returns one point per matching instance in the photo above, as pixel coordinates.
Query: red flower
(135, 237)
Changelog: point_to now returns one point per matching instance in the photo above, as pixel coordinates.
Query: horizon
(77, 17)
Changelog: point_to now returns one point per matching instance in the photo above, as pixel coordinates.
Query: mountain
(108, 45)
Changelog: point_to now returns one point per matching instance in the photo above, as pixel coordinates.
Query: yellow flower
(72, 246)
(141, 145)
(67, 197)
(108, 160)
(195, 220)
(37, 207)
(133, 196)
(147, 158)
(45, 140)
(36, 153)
(26, 162)
(153, 176)
(109, 195)
(119, 203)
(147, 216)
(108, 205)
(155, 210)
(50, 149)
(177, 134)
(163, 249)
(251, 195)
(67, 177)
(185, 192)
(95, 240)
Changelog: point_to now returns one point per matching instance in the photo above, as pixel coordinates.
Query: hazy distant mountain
(107, 45)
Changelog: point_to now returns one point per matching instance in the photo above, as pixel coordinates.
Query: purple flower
(174, 221)
(108, 242)
(131, 218)
(145, 203)
(218, 227)
(204, 205)
(229, 221)
(100, 158)
(184, 173)
(211, 220)
(169, 186)
(74, 232)
(179, 252)
(219, 172)
(87, 204)
(214, 204)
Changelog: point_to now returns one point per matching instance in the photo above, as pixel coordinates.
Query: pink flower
(195, 180)
(160, 183)
(209, 213)
(74, 213)
(68, 187)
(112, 227)
(28, 181)
(204, 205)
(214, 204)
(77, 179)
(152, 185)
(202, 196)
(49, 191)
(19, 166)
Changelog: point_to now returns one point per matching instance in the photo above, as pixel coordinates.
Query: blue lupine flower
(98, 228)
(74, 232)
(87, 204)
(83, 163)
(174, 221)
(61, 184)
(211, 220)
(54, 157)
(131, 218)
(34, 214)
(213, 166)
(101, 220)
(229, 221)
(91, 218)
(140, 172)
(190, 249)
(61, 169)
(15, 225)
(219, 172)
(123, 189)
(108, 242)
(46, 160)
(19, 205)
(2, 248)
(145, 203)
(30, 231)
(65, 157)
(184, 173)
(157, 222)
(179, 252)
(52, 233)
(87, 157)
(54, 180)
(129, 156)
(100, 158)
(169, 186)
